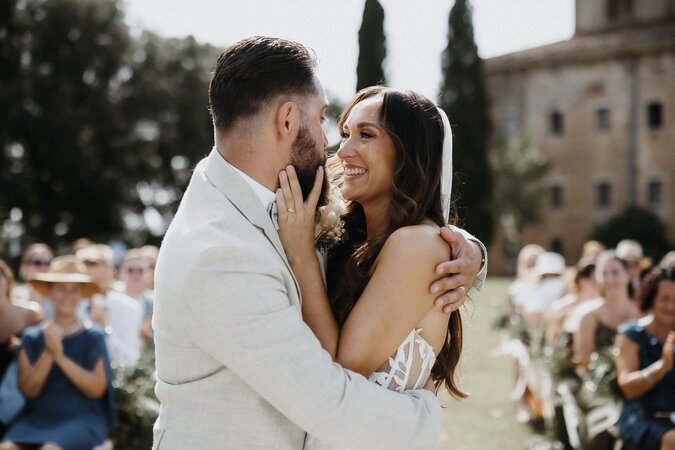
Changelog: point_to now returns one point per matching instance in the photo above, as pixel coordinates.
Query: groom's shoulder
(205, 210)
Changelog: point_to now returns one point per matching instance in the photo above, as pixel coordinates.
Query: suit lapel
(239, 193)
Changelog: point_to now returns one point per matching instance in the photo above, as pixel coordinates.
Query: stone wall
(624, 153)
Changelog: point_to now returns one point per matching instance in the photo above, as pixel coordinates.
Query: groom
(237, 368)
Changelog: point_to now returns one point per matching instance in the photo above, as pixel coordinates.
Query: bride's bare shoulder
(416, 244)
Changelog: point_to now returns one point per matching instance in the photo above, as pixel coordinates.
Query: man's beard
(306, 161)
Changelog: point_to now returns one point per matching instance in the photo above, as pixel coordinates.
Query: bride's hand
(295, 217)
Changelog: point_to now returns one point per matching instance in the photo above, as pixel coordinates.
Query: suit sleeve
(244, 319)
(482, 274)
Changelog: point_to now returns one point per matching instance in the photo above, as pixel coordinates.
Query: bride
(376, 315)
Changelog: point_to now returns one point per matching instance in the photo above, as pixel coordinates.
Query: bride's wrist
(299, 259)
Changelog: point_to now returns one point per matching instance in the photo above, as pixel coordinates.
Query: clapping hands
(53, 335)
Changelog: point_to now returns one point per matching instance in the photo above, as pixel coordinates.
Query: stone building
(601, 107)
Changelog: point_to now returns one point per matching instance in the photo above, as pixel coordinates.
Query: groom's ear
(287, 120)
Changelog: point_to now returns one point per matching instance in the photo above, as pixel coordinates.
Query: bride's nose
(346, 150)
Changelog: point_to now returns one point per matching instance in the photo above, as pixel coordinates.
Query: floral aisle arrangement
(136, 404)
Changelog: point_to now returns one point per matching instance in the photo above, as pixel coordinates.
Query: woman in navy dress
(645, 368)
(64, 371)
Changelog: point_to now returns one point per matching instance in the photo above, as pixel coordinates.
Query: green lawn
(486, 420)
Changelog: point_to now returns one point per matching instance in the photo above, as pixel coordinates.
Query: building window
(603, 195)
(557, 245)
(654, 115)
(556, 123)
(556, 199)
(654, 192)
(619, 9)
(602, 120)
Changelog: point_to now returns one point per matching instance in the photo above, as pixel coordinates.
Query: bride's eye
(366, 135)
(344, 136)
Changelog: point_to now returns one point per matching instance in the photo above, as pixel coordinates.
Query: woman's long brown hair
(415, 126)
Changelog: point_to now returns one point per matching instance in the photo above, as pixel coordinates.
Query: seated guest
(560, 315)
(119, 315)
(64, 370)
(591, 250)
(549, 287)
(645, 367)
(79, 244)
(35, 260)
(132, 273)
(668, 260)
(598, 324)
(150, 254)
(525, 281)
(14, 317)
(631, 253)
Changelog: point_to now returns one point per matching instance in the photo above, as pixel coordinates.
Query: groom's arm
(244, 319)
(465, 272)
(478, 259)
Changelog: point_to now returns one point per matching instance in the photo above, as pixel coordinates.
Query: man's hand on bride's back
(459, 273)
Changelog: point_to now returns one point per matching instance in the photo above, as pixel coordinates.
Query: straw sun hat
(64, 269)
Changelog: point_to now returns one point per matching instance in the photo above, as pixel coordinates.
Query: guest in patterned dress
(645, 367)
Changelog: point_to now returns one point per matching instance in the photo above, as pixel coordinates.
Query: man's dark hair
(254, 71)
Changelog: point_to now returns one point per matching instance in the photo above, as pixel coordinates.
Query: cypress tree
(372, 46)
(463, 97)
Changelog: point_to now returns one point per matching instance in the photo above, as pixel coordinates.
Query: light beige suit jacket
(237, 368)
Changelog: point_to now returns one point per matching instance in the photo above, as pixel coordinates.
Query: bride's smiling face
(368, 155)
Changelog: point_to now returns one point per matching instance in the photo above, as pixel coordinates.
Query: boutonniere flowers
(329, 228)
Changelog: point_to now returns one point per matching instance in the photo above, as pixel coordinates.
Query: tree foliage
(517, 169)
(96, 125)
(638, 224)
(62, 140)
(372, 46)
(463, 97)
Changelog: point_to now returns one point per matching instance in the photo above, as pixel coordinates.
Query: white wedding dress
(408, 369)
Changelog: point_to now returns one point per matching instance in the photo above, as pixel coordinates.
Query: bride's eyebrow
(362, 125)
(367, 124)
